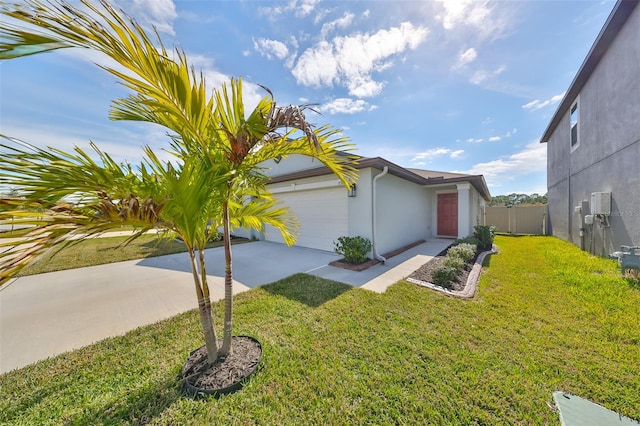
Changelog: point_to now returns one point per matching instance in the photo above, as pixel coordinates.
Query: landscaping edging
(471, 285)
(362, 266)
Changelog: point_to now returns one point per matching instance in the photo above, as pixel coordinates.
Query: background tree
(514, 199)
(218, 150)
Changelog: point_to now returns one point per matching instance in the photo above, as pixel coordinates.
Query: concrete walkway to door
(48, 314)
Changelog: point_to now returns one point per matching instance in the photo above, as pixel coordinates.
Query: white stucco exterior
(405, 209)
(402, 213)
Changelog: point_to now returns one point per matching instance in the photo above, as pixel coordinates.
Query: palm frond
(263, 211)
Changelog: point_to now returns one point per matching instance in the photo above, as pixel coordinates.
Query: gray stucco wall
(360, 213)
(608, 157)
(400, 213)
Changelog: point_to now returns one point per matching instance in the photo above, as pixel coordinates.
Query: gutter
(376, 255)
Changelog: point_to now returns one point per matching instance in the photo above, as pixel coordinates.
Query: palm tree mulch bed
(225, 375)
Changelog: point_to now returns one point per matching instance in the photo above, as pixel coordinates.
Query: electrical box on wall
(601, 203)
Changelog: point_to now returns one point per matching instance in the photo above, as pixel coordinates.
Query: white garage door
(322, 214)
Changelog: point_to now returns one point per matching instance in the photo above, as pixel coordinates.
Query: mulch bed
(341, 263)
(241, 363)
(424, 273)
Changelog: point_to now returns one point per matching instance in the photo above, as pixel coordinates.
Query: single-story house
(390, 205)
(593, 142)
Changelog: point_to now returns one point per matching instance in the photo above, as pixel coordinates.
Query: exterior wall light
(351, 192)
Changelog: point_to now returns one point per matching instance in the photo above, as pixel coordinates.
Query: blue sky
(464, 86)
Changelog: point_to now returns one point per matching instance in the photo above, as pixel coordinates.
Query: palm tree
(247, 143)
(216, 177)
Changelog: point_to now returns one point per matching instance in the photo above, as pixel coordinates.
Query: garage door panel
(322, 214)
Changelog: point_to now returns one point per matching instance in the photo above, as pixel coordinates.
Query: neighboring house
(593, 143)
(391, 205)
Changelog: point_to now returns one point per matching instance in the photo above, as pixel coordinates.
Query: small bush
(485, 235)
(454, 262)
(215, 236)
(466, 252)
(444, 275)
(354, 249)
(467, 240)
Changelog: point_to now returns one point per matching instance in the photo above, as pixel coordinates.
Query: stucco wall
(401, 214)
(360, 213)
(293, 163)
(608, 157)
(476, 208)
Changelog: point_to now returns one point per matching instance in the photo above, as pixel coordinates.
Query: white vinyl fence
(517, 219)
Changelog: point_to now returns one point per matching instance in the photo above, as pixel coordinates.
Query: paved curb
(469, 290)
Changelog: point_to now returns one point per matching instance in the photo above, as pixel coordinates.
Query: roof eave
(380, 163)
(617, 18)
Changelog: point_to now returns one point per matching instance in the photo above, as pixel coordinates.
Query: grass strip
(98, 251)
(547, 317)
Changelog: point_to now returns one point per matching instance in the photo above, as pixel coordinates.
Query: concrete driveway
(48, 314)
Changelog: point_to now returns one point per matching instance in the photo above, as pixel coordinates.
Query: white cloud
(465, 58)
(346, 106)
(246, 53)
(299, 8)
(304, 7)
(538, 104)
(294, 42)
(158, 13)
(343, 22)
(482, 75)
(317, 66)
(496, 138)
(271, 48)
(457, 153)
(350, 61)
(366, 13)
(481, 17)
(429, 155)
(532, 159)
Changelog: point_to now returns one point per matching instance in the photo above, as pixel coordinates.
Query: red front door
(448, 215)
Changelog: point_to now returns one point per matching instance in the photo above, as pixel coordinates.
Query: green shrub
(454, 262)
(354, 249)
(485, 235)
(466, 252)
(444, 275)
(467, 240)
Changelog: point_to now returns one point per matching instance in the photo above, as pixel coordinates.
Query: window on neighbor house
(575, 141)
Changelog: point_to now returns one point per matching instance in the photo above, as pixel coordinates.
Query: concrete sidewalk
(48, 314)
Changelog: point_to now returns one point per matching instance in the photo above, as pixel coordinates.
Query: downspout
(376, 255)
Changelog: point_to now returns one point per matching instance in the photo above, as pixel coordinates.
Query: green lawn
(97, 251)
(546, 317)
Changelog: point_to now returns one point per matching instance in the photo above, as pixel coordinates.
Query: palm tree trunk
(228, 284)
(206, 314)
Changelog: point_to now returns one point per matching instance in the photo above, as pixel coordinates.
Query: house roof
(417, 176)
(616, 20)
